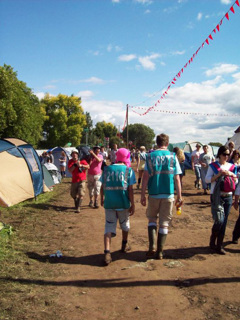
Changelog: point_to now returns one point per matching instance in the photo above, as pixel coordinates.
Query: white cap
(74, 150)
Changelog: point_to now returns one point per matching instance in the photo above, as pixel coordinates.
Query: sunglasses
(225, 154)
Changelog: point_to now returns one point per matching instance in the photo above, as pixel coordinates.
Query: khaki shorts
(94, 185)
(78, 189)
(160, 208)
(111, 218)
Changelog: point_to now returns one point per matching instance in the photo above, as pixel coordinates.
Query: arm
(102, 195)
(131, 198)
(192, 160)
(178, 189)
(95, 156)
(144, 187)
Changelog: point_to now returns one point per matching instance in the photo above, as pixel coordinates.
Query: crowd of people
(110, 182)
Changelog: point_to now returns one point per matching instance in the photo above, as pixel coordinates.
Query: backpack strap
(233, 169)
(215, 166)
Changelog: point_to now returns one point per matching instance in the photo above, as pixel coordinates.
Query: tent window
(31, 159)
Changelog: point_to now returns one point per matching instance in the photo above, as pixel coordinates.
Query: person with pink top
(94, 175)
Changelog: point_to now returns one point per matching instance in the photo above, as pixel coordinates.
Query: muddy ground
(190, 283)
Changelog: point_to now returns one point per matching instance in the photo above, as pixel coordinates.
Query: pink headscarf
(123, 155)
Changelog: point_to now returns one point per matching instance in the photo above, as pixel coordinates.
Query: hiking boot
(78, 210)
(195, 184)
(91, 204)
(235, 241)
(125, 247)
(221, 251)
(96, 205)
(107, 258)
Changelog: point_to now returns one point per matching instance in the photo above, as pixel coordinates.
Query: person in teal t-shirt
(161, 172)
(118, 200)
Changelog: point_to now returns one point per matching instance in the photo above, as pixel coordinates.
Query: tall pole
(127, 125)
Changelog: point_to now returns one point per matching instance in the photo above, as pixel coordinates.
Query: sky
(114, 53)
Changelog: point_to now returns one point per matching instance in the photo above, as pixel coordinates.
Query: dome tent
(235, 138)
(21, 175)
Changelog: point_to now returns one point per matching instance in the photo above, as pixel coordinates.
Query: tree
(104, 129)
(64, 120)
(21, 115)
(139, 134)
(88, 135)
(216, 144)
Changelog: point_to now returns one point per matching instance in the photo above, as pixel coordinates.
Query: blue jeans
(197, 172)
(220, 225)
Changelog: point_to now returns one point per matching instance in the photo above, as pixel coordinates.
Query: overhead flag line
(178, 75)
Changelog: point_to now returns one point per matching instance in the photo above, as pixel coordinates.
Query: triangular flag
(237, 3)
(207, 41)
(210, 36)
(218, 28)
(227, 15)
(232, 9)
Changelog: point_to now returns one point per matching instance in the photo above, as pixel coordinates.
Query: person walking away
(231, 146)
(181, 158)
(112, 154)
(141, 164)
(94, 175)
(236, 230)
(63, 163)
(196, 166)
(162, 169)
(205, 159)
(78, 170)
(118, 200)
(221, 200)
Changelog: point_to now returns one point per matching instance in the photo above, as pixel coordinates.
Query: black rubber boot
(213, 239)
(152, 230)
(160, 244)
(220, 249)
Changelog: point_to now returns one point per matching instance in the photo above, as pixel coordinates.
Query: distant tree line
(56, 121)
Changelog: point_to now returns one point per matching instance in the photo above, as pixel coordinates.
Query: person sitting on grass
(118, 200)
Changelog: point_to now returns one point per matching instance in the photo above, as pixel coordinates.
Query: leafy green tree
(64, 120)
(216, 144)
(21, 115)
(104, 129)
(139, 135)
(88, 134)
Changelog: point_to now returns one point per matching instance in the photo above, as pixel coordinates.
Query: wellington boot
(78, 204)
(160, 244)
(213, 239)
(152, 230)
(219, 248)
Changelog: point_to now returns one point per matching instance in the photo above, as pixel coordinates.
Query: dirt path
(190, 283)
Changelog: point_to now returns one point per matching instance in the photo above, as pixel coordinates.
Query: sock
(106, 251)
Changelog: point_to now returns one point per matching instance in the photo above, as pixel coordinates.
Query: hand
(235, 205)
(131, 210)
(143, 201)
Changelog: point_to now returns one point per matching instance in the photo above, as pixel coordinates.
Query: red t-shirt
(78, 176)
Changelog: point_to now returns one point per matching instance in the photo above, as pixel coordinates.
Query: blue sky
(117, 52)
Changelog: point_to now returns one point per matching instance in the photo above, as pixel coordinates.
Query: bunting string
(189, 113)
(178, 75)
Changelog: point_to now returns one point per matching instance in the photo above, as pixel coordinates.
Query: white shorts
(111, 218)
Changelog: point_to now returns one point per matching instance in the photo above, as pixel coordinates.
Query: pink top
(95, 166)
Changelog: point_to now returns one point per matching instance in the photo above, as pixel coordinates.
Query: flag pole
(127, 125)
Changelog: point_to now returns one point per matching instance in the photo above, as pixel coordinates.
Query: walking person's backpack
(227, 183)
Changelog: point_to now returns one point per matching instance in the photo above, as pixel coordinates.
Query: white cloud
(116, 1)
(221, 69)
(147, 63)
(49, 87)
(178, 53)
(111, 47)
(87, 94)
(127, 57)
(199, 16)
(226, 1)
(147, 12)
(143, 1)
(40, 95)
(93, 80)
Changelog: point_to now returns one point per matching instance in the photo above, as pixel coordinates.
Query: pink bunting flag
(210, 36)
(237, 3)
(232, 9)
(227, 15)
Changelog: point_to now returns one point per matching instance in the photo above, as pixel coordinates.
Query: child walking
(118, 200)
